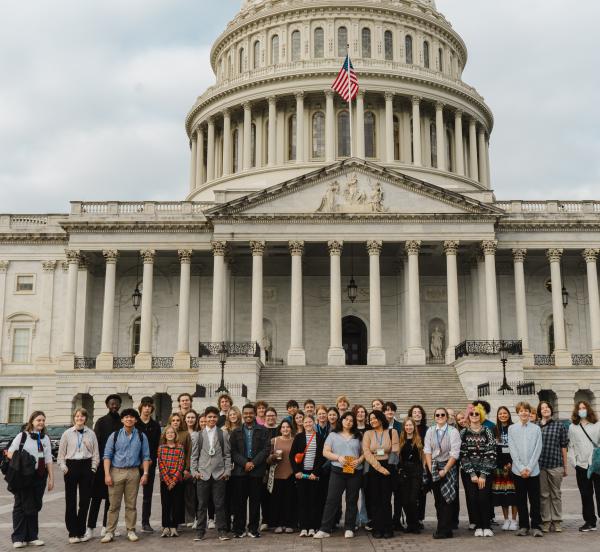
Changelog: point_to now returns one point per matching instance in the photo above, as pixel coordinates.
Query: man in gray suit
(211, 468)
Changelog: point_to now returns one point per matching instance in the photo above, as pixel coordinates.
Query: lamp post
(504, 359)
(223, 360)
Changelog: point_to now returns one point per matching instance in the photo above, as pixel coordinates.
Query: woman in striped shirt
(171, 463)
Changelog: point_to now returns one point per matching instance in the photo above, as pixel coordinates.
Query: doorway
(354, 340)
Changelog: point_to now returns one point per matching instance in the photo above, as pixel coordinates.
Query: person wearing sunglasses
(478, 460)
(442, 450)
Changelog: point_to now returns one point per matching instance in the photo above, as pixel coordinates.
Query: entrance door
(354, 340)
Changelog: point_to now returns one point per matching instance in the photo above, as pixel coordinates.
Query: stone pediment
(353, 188)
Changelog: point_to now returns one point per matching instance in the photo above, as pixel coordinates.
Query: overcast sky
(93, 95)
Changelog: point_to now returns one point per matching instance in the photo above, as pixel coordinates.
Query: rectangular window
(24, 283)
(20, 346)
(16, 411)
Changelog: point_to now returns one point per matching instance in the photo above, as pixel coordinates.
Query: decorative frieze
(335, 247)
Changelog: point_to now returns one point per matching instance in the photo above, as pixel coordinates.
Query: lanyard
(380, 441)
(437, 436)
(79, 440)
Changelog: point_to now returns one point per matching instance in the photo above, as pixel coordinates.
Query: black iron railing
(233, 348)
(488, 388)
(123, 363)
(582, 360)
(85, 363)
(543, 360)
(162, 362)
(488, 347)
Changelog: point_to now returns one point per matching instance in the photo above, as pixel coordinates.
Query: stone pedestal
(104, 362)
(143, 361)
(181, 361)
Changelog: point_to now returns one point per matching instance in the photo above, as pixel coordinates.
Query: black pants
(338, 483)
(283, 503)
(208, 492)
(478, 502)
(190, 500)
(465, 481)
(587, 488)
(308, 510)
(322, 489)
(379, 493)
(246, 491)
(444, 510)
(410, 485)
(25, 515)
(171, 502)
(528, 487)
(95, 510)
(79, 476)
(422, 505)
(265, 505)
(147, 491)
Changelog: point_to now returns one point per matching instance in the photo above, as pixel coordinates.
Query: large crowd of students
(251, 470)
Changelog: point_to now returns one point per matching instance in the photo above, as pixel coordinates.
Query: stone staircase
(430, 386)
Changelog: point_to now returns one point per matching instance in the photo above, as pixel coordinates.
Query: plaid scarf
(448, 486)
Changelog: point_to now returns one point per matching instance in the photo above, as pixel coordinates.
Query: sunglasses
(474, 414)
(440, 415)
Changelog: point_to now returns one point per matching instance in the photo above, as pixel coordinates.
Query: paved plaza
(53, 532)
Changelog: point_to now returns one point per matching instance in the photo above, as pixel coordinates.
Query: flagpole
(349, 100)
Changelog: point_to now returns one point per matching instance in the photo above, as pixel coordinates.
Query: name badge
(78, 455)
(212, 451)
(40, 454)
(505, 450)
(379, 452)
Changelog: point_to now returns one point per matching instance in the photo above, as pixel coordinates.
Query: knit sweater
(478, 451)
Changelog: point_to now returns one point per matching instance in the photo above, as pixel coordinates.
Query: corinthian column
(521, 298)
(590, 256)
(219, 248)
(296, 355)
(247, 157)
(73, 258)
(256, 329)
(210, 151)
(329, 127)
(200, 157)
(482, 157)
(4, 264)
(143, 360)
(193, 160)
(272, 146)
(389, 126)
(104, 361)
(299, 127)
(562, 356)
(458, 143)
(360, 124)
(227, 159)
(451, 249)
(473, 164)
(415, 354)
(45, 331)
(182, 356)
(416, 139)
(440, 136)
(336, 355)
(376, 353)
(491, 291)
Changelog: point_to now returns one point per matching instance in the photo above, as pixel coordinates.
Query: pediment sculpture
(352, 198)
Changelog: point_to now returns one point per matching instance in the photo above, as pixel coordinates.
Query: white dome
(249, 3)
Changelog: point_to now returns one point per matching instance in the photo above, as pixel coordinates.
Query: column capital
(489, 247)
(47, 266)
(218, 248)
(199, 130)
(247, 106)
(458, 113)
(328, 93)
(590, 255)
(451, 247)
(389, 96)
(554, 255)
(299, 95)
(335, 247)
(185, 256)
(440, 106)
(110, 255)
(473, 121)
(73, 256)
(361, 93)
(272, 100)
(416, 100)
(296, 247)
(519, 255)
(226, 112)
(4, 266)
(374, 247)
(412, 247)
(148, 255)
(257, 247)
(211, 121)
(82, 264)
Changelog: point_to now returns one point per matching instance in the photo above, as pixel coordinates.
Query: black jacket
(152, 432)
(299, 445)
(261, 446)
(103, 428)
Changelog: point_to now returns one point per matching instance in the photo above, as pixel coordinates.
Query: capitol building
(314, 266)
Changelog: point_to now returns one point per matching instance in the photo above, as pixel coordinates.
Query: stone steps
(430, 386)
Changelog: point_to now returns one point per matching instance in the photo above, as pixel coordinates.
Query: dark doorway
(354, 340)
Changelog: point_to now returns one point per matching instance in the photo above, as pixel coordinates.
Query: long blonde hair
(416, 438)
(229, 427)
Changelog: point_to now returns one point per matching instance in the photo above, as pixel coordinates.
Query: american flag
(345, 89)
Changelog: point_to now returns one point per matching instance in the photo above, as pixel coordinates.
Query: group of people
(246, 471)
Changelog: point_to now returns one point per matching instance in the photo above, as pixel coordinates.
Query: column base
(450, 355)
(415, 356)
(296, 357)
(67, 361)
(376, 356)
(104, 362)
(143, 361)
(596, 358)
(336, 356)
(181, 361)
(562, 359)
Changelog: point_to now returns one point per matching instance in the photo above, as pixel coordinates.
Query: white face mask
(582, 414)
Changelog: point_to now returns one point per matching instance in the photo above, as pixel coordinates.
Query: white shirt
(31, 447)
(211, 433)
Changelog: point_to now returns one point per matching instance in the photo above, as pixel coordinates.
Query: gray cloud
(93, 95)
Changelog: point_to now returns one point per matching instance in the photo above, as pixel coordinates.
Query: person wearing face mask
(584, 433)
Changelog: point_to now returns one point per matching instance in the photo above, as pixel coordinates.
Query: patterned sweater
(478, 451)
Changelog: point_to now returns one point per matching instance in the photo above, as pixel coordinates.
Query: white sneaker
(311, 532)
(211, 524)
(506, 525)
(278, 530)
(488, 533)
(288, 530)
(134, 538)
(103, 531)
(174, 533)
(349, 534)
(36, 542)
(303, 533)
(89, 534)
(195, 524)
(321, 535)
(19, 544)
(263, 527)
(74, 540)
(479, 532)
(514, 525)
(117, 533)
(166, 532)
(108, 537)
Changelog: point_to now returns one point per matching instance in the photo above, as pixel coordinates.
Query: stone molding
(412, 247)
(519, 255)
(451, 247)
(148, 255)
(374, 247)
(110, 255)
(185, 256)
(335, 247)
(554, 255)
(296, 247)
(590, 255)
(257, 247)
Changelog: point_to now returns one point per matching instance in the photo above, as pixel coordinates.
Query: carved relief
(48, 266)
(412, 247)
(374, 247)
(4, 266)
(352, 199)
(451, 247)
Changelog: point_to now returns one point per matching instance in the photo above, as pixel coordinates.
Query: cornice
(32, 238)
(548, 226)
(112, 227)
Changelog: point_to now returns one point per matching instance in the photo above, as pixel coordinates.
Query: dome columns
(416, 116)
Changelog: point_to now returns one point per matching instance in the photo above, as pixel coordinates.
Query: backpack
(594, 466)
(20, 469)
(116, 435)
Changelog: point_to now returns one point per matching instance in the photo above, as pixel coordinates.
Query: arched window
(342, 42)
(292, 138)
(370, 138)
(396, 138)
(135, 336)
(234, 150)
(426, 54)
(256, 57)
(408, 46)
(441, 59)
(388, 40)
(433, 141)
(275, 50)
(296, 46)
(319, 43)
(366, 42)
(343, 128)
(253, 144)
(241, 61)
(318, 135)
